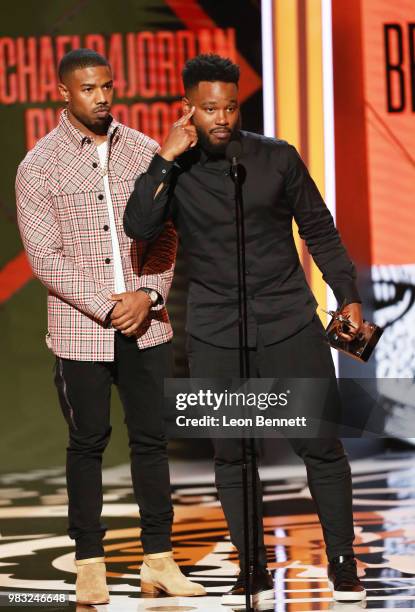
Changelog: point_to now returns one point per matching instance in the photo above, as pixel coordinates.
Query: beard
(100, 125)
(97, 125)
(212, 149)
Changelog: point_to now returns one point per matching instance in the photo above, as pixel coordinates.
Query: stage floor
(35, 555)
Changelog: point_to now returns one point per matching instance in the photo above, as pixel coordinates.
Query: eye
(209, 109)
(88, 89)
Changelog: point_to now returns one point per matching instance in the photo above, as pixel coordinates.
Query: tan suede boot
(159, 572)
(91, 584)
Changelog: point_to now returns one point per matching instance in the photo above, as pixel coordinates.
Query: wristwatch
(152, 294)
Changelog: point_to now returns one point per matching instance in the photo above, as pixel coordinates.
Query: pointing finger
(183, 120)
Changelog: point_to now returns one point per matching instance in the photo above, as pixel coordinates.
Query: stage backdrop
(375, 163)
(147, 42)
(339, 82)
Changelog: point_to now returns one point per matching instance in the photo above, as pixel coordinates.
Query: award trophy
(362, 345)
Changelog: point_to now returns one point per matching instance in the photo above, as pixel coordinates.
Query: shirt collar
(69, 131)
(206, 159)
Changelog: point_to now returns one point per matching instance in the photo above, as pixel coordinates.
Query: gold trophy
(362, 345)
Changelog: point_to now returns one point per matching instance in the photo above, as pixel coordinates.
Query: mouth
(394, 293)
(394, 309)
(102, 112)
(222, 134)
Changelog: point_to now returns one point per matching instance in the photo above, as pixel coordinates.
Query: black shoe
(262, 589)
(342, 576)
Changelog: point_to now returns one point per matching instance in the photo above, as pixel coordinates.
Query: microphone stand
(244, 370)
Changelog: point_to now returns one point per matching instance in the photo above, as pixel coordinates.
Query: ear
(186, 105)
(63, 90)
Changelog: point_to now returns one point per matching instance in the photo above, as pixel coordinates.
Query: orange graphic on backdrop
(17, 272)
(390, 135)
(194, 539)
(194, 17)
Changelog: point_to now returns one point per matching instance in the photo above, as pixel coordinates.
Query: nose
(221, 118)
(100, 97)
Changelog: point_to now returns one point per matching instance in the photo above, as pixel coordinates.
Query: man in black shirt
(189, 181)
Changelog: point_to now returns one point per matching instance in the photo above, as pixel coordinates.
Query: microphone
(233, 153)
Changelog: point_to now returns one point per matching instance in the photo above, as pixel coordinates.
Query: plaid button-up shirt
(63, 220)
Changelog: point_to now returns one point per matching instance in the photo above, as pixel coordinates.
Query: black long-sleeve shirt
(198, 194)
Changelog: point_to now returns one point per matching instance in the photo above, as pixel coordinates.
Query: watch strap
(152, 294)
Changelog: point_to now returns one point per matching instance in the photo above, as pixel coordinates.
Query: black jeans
(305, 354)
(84, 390)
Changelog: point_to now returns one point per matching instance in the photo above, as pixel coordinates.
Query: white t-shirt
(119, 284)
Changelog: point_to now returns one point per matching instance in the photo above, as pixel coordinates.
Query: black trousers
(84, 390)
(307, 355)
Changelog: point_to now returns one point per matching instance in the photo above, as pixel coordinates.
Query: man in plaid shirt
(107, 321)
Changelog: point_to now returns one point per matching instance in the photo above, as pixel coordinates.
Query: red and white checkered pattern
(62, 213)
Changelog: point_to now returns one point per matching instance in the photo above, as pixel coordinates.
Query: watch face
(152, 294)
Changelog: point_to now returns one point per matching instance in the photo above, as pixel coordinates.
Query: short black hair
(209, 67)
(80, 58)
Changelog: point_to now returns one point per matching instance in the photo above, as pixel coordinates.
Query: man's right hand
(130, 312)
(181, 137)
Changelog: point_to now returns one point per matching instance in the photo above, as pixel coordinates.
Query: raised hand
(182, 136)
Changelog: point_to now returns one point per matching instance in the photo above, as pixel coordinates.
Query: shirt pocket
(125, 164)
(82, 217)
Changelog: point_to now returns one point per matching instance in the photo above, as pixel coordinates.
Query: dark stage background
(147, 43)
(363, 162)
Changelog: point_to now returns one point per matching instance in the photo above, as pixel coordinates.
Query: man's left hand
(352, 312)
(132, 310)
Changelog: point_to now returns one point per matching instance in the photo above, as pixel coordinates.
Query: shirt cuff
(160, 169)
(347, 293)
(152, 281)
(102, 305)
